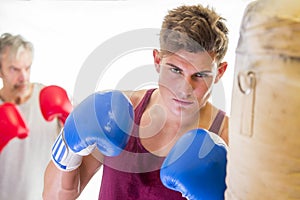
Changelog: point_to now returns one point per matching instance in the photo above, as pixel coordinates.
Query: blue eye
(203, 75)
(175, 70)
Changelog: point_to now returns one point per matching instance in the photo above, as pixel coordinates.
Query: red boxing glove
(54, 102)
(12, 124)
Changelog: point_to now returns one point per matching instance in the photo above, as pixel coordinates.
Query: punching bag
(264, 127)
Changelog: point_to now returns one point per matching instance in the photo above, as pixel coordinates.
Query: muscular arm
(78, 138)
(64, 185)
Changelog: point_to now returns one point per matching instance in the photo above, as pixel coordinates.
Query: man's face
(186, 80)
(15, 72)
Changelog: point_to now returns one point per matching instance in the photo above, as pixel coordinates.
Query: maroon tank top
(135, 173)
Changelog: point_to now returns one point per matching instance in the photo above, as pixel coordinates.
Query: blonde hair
(194, 28)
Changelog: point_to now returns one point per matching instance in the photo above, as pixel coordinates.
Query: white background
(64, 33)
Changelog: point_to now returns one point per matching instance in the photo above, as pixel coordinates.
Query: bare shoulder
(224, 129)
(223, 132)
(135, 96)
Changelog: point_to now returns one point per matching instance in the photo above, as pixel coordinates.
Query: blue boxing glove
(102, 120)
(196, 166)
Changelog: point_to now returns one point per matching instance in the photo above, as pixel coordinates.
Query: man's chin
(22, 90)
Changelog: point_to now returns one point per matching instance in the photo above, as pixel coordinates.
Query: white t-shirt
(23, 161)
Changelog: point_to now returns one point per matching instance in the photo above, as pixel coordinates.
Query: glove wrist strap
(63, 157)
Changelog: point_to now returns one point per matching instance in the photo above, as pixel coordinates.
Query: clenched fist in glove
(196, 166)
(12, 124)
(103, 120)
(54, 102)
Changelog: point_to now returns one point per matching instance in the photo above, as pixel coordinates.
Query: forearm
(67, 185)
(60, 184)
(89, 167)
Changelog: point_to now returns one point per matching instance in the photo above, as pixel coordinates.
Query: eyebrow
(172, 65)
(14, 67)
(200, 72)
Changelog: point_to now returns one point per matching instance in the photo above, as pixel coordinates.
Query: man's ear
(220, 71)
(157, 60)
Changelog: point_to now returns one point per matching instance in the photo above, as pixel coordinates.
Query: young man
(23, 162)
(193, 42)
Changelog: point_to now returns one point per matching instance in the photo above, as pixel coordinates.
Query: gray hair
(15, 43)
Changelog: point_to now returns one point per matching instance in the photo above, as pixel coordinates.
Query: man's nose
(23, 75)
(186, 87)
